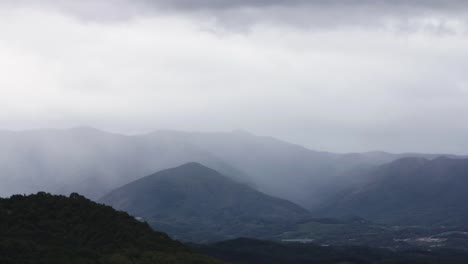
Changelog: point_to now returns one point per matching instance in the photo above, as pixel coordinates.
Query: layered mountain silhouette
(93, 162)
(43, 228)
(411, 191)
(89, 161)
(195, 203)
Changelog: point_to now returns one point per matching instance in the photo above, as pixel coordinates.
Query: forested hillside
(49, 229)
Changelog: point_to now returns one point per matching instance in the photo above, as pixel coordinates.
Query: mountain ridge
(410, 191)
(193, 202)
(93, 162)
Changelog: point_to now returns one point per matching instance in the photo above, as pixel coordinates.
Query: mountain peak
(87, 130)
(192, 165)
(187, 171)
(193, 202)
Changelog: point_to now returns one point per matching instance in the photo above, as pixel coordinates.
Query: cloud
(399, 86)
(229, 4)
(245, 13)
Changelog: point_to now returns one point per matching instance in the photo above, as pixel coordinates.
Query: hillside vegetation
(48, 229)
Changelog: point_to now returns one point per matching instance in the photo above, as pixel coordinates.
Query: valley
(230, 186)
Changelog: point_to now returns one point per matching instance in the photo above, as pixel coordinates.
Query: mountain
(43, 228)
(89, 161)
(286, 170)
(410, 191)
(195, 203)
(94, 162)
(282, 169)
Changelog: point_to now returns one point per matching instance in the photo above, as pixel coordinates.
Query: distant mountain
(43, 228)
(93, 162)
(410, 191)
(89, 161)
(195, 203)
(286, 170)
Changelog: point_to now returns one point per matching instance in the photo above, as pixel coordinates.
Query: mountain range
(94, 162)
(410, 200)
(410, 191)
(208, 187)
(195, 203)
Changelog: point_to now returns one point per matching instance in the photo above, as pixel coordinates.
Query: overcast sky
(330, 75)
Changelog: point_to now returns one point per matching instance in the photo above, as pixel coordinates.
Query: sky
(342, 76)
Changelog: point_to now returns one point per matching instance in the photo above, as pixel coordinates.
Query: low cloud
(314, 73)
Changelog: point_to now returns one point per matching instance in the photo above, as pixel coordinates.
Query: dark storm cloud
(248, 11)
(401, 15)
(220, 4)
(311, 12)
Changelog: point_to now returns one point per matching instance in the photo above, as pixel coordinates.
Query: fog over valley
(233, 131)
(93, 162)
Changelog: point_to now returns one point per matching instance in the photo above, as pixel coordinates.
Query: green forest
(48, 229)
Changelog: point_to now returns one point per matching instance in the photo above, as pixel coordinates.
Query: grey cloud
(348, 88)
(301, 12)
(190, 4)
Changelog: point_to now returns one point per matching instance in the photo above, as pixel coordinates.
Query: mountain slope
(411, 191)
(286, 170)
(89, 161)
(279, 168)
(93, 162)
(43, 228)
(193, 202)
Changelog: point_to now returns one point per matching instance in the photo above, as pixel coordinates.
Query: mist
(233, 131)
(94, 162)
(328, 75)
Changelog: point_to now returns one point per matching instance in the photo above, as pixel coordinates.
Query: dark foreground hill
(411, 191)
(247, 251)
(49, 229)
(196, 203)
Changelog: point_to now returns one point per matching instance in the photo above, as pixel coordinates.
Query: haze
(329, 75)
